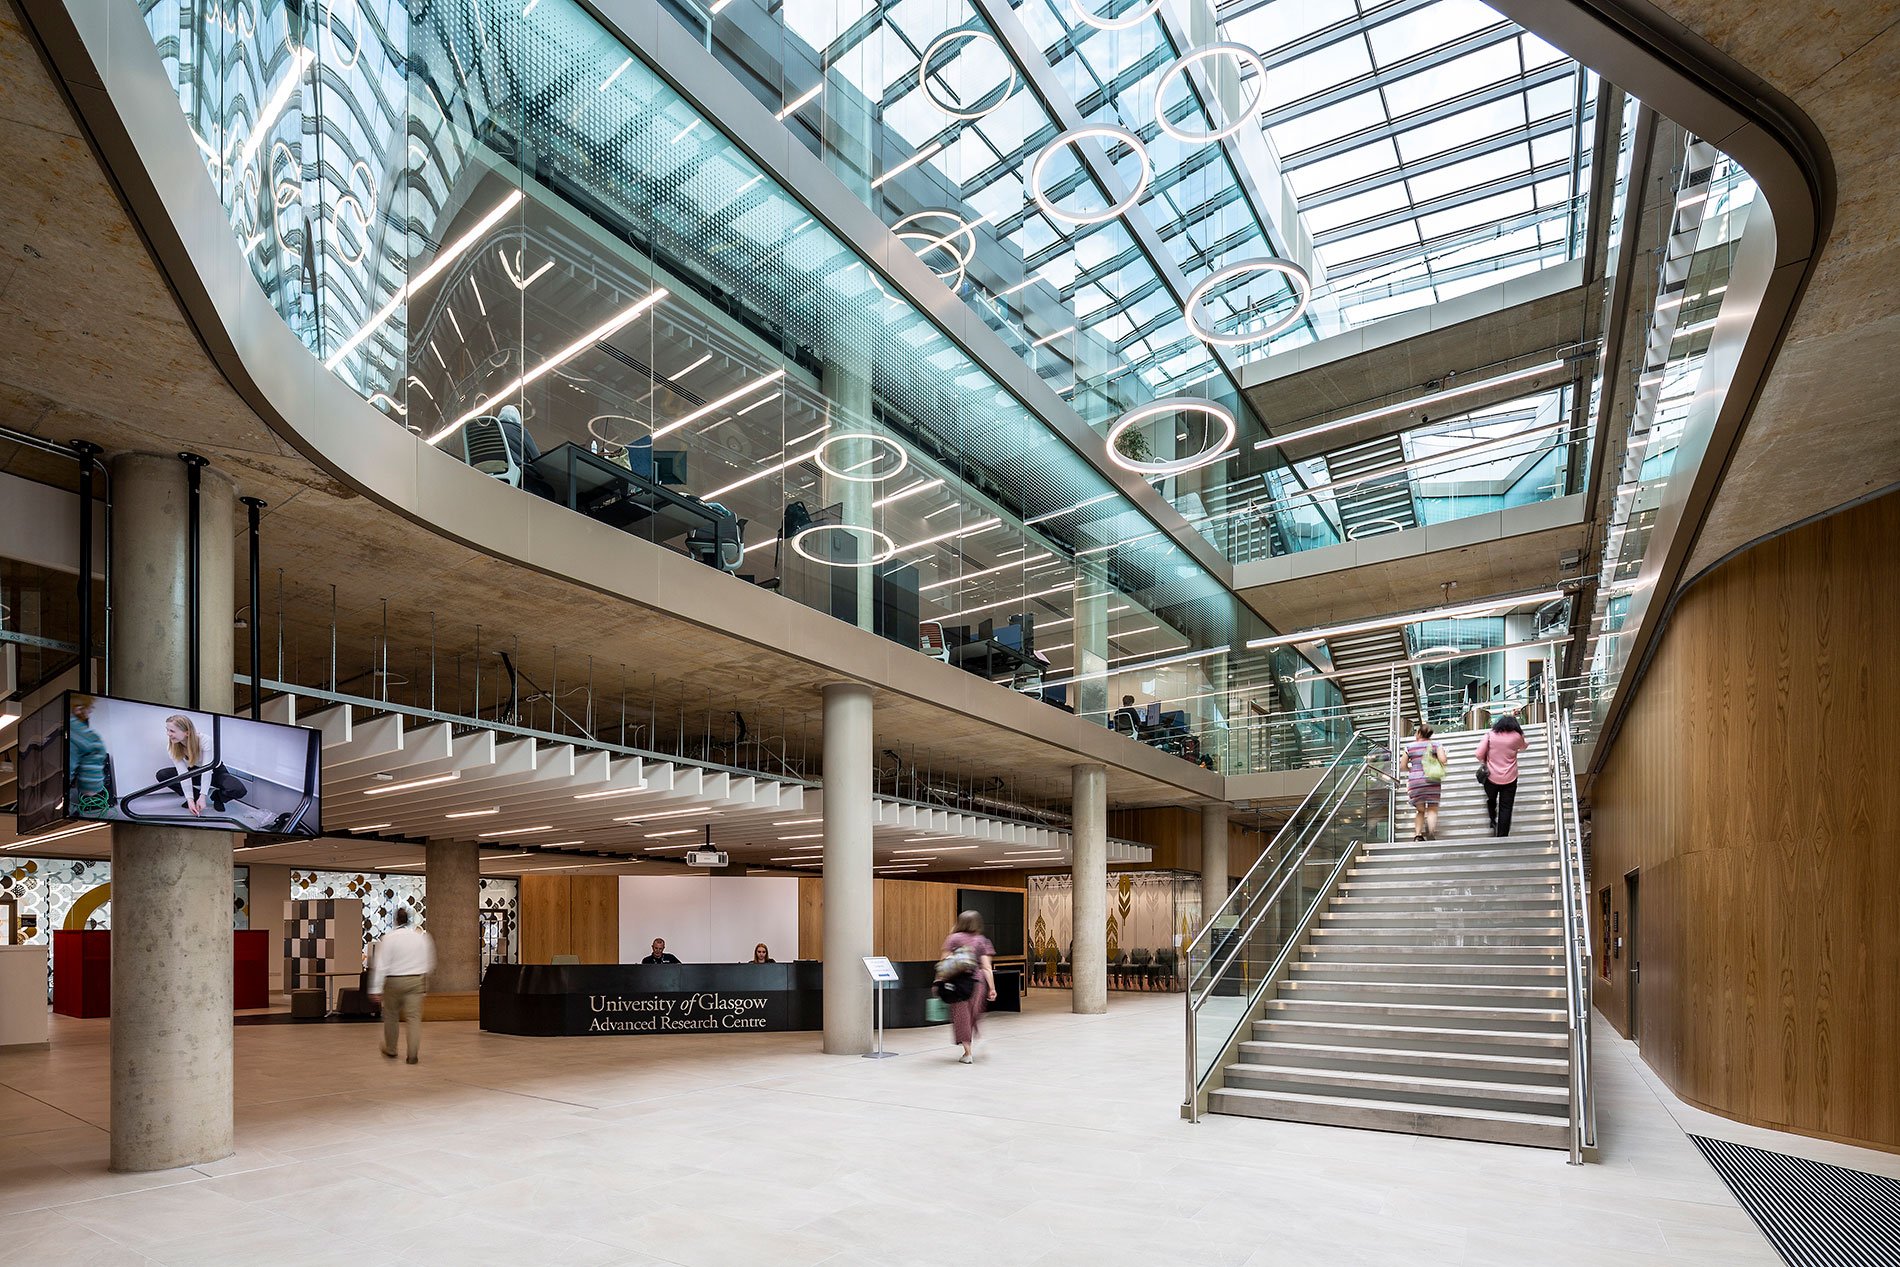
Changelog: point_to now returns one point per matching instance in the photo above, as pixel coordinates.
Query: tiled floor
(1061, 1145)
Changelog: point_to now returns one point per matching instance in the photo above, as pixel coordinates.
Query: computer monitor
(1151, 716)
(669, 466)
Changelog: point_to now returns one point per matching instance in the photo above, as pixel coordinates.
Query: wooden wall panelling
(1755, 788)
(594, 928)
(545, 905)
(909, 920)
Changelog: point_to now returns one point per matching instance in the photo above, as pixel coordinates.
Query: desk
(545, 1000)
(626, 500)
(990, 654)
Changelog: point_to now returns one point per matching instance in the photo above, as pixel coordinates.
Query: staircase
(1368, 695)
(1430, 997)
(1377, 505)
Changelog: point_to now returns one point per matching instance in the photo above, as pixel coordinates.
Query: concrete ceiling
(114, 361)
(1428, 361)
(1826, 429)
(1505, 566)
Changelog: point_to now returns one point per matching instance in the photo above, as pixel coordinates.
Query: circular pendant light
(959, 243)
(1216, 412)
(800, 538)
(1243, 57)
(1088, 17)
(903, 457)
(983, 105)
(1038, 171)
(1294, 274)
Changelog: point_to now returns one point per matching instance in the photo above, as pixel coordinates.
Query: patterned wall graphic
(383, 894)
(317, 940)
(1151, 915)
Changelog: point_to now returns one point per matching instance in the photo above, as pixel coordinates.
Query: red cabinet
(82, 972)
(250, 968)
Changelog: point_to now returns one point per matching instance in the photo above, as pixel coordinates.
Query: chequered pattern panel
(320, 936)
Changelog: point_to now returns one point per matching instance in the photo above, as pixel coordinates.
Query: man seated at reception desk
(659, 954)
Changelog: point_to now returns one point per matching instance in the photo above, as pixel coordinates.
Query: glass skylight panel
(1315, 73)
(820, 22)
(1429, 27)
(1454, 78)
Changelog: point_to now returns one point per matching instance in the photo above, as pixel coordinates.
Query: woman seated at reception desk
(684, 998)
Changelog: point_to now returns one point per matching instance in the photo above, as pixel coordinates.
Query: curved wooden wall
(1755, 788)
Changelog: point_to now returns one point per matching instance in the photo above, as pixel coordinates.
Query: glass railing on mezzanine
(1243, 947)
(510, 236)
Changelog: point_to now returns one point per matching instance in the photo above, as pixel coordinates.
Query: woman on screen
(187, 753)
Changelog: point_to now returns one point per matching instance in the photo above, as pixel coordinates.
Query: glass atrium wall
(472, 212)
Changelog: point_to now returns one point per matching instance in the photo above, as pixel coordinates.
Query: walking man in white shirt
(404, 959)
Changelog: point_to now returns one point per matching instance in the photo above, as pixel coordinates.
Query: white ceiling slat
(334, 723)
(281, 709)
(376, 737)
(427, 744)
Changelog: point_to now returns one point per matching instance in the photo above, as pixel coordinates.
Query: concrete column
(171, 886)
(1213, 859)
(452, 878)
(848, 877)
(1089, 886)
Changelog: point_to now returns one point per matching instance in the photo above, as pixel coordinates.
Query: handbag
(957, 989)
(1433, 765)
(936, 1012)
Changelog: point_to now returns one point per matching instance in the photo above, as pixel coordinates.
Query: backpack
(956, 976)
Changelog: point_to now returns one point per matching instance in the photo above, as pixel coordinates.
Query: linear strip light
(369, 827)
(618, 72)
(274, 107)
(971, 576)
(1147, 664)
(921, 486)
(1057, 514)
(451, 777)
(56, 835)
(682, 831)
(981, 526)
(619, 791)
(1408, 618)
(1004, 602)
(669, 813)
(793, 106)
(408, 290)
(606, 330)
(516, 831)
(1405, 407)
(940, 849)
(774, 469)
(1442, 655)
(908, 163)
(474, 813)
(713, 405)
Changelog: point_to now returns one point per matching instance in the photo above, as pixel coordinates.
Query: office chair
(931, 640)
(714, 545)
(1124, 722)
(485, 447)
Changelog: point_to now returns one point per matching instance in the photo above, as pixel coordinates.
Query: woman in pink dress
(966, 1016)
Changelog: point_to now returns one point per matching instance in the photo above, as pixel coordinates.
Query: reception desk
(546, 1000)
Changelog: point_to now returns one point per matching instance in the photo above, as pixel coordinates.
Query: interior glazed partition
(464, 210)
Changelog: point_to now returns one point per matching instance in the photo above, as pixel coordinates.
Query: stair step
(1347, 953)
(1491, 1125)
(1485, 849)
(1440, 973)
(1453, 899)
(1441, 1015)
(1450, 994)
(1478, 917)
(1408, 874)
(1436, 1090)
(1414, 1037)
(1524, 939)
(1537, 1070)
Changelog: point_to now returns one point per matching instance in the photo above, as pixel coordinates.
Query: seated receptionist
(659, 954)
(762, 955)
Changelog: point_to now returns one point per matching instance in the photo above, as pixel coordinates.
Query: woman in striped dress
(1424, 792)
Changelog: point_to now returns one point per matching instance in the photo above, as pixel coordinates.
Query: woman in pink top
(1497, 767)
(966, 1016)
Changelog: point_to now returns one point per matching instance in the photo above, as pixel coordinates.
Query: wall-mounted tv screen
(124, 761)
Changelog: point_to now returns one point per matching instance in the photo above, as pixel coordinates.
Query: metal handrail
(1287, 872)
(1196, 1080)
(1576, 934)
(1583, 937)
(1207, 917)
